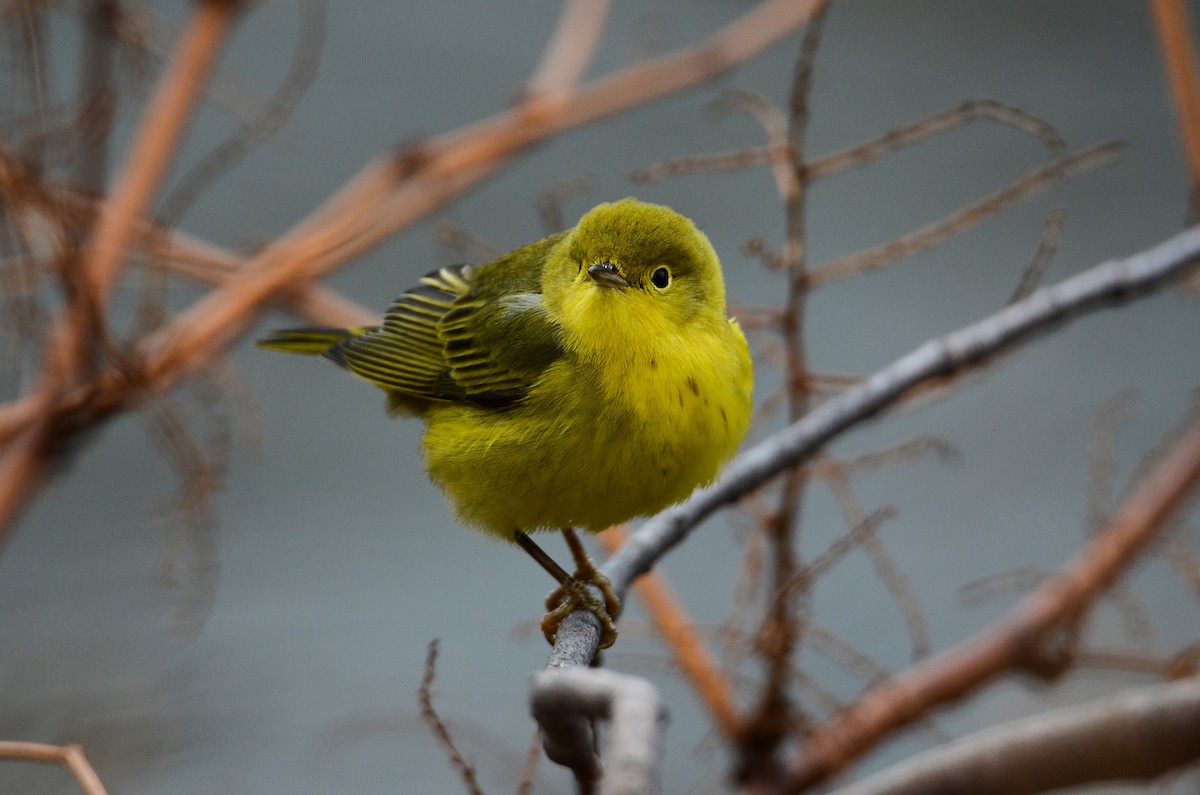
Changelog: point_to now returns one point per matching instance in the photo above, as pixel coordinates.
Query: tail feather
(312, 341)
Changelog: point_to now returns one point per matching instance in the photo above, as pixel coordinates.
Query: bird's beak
(605, 274)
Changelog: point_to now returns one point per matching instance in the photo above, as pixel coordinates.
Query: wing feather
(454, 337)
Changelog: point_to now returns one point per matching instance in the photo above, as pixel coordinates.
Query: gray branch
(1138, 735)
(565, 701)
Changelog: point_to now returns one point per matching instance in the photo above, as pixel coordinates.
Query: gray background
(339, 560)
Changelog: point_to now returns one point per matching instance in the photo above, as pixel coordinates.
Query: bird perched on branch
(580, 381)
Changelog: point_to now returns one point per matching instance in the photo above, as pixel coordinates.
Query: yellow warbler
(577, 382)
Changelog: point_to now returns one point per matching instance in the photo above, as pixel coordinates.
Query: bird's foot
(575, 594)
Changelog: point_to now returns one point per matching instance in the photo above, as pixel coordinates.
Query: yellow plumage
(580, 381)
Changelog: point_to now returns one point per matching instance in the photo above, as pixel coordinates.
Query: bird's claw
(575, 594)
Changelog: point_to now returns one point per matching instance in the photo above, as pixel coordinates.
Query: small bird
(577, 382)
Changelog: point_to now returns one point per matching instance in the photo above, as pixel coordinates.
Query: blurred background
(280, 648)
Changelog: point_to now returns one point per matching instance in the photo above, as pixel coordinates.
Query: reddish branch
(1023, 640)
(71, 757)
(1179, 58)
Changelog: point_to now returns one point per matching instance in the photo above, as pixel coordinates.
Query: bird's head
(634, 267)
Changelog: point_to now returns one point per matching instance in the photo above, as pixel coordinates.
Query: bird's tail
(312, 341)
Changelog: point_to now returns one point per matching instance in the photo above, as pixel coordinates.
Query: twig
(1100, 494)
(852, 157)
(1047, 248)
(889, 572)
(97, 102)
(861, 154)
(1016, 641)
(70, 756)
(525, 783)
(274, 111)
(1139, 734)
(930, 235)
(434, 722)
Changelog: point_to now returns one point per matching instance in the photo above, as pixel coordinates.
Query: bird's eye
(661, 278)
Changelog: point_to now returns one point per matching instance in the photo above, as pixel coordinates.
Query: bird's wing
(458, 338)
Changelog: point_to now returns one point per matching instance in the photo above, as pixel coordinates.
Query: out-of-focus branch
(179, 90)
(564, 702)
(1138, 734)
(71, 757)
(68, 351)
(434, 721)
(958, 221)
(1021, 640)
(1106, 284)
(571, 48)
(855, 156)
(1176, 41)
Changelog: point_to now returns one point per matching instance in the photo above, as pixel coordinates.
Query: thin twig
(525, 783)
(855, 156)
(1100, 494)
(275, 110)
(963, 218)
(894, 579)
(434, 721)
(1047, 248)
(781, 630)
(861, 154)
(70, 756)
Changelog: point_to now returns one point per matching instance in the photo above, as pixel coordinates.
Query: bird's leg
(566, 597)
(586, 571)
(573, 591)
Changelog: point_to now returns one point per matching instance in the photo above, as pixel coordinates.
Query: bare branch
(180, 87)
(1047, 248)
(1138, 734)
(861, 154)
(70, 756)
(964, 217)
(893, 577)
(434, 721)
(570, 50)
